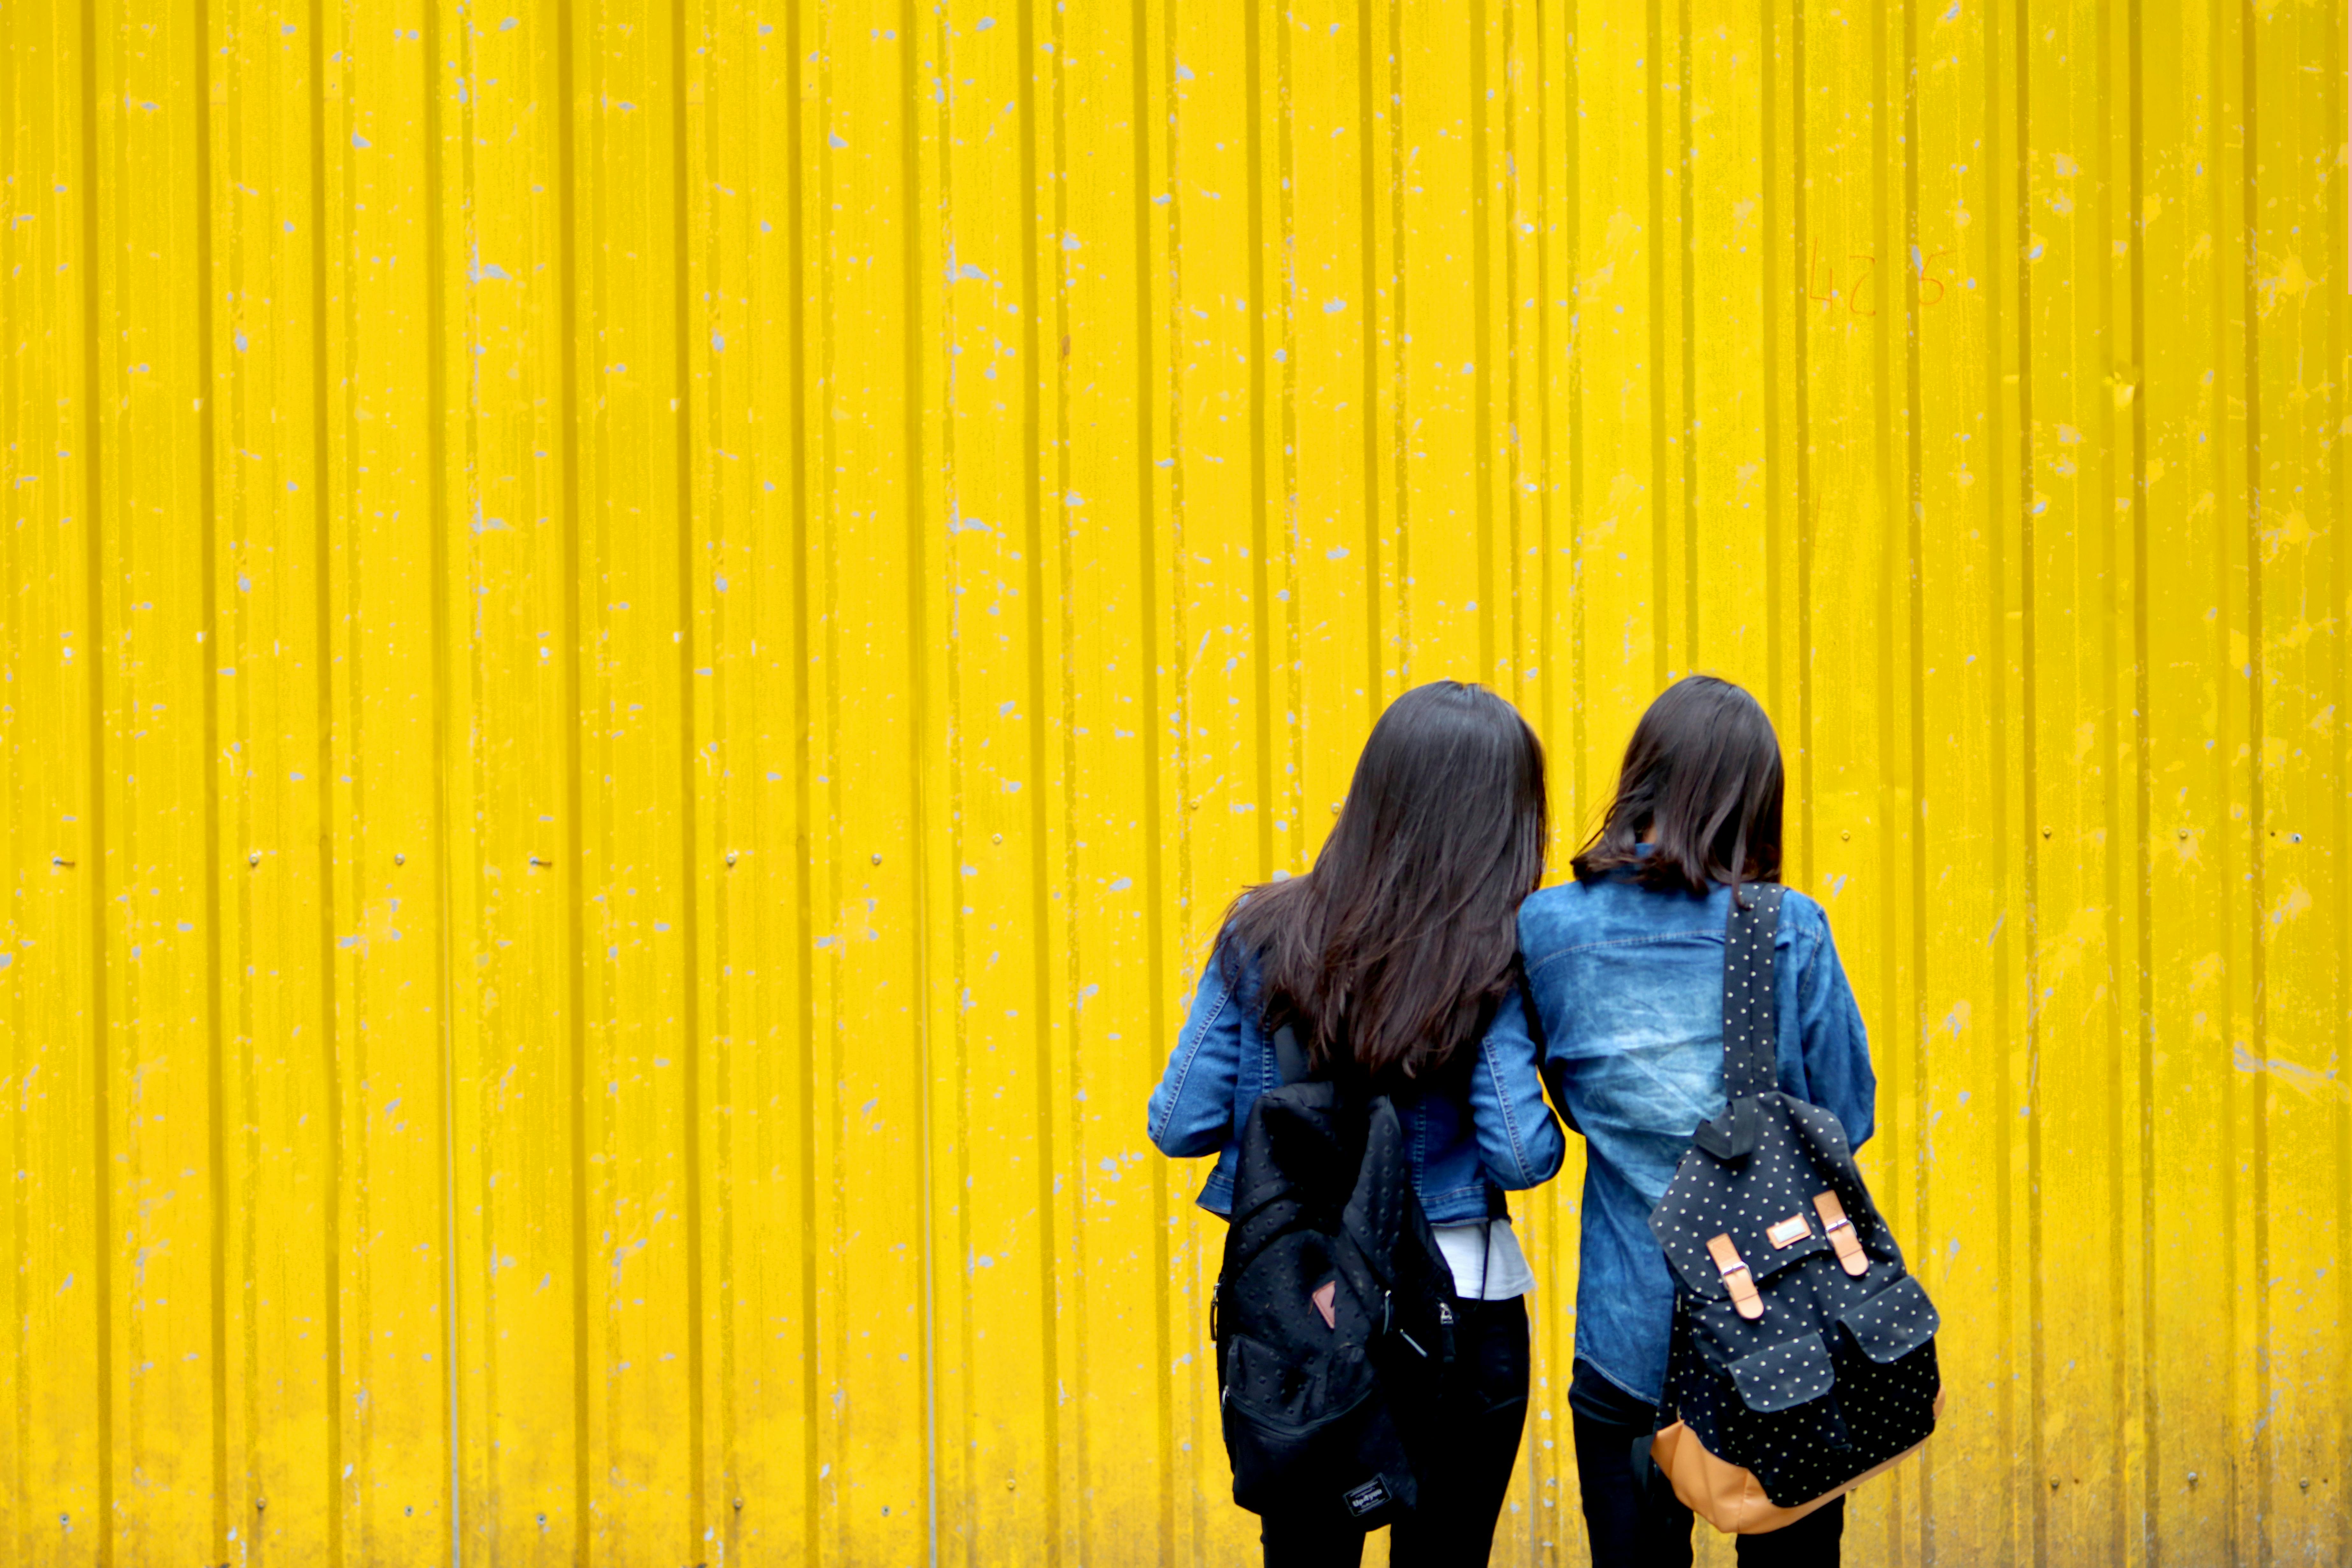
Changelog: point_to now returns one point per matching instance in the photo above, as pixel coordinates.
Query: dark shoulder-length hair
(1395, 947)
(1702, 781)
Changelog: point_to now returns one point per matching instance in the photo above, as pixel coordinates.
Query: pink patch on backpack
(1326, 1294)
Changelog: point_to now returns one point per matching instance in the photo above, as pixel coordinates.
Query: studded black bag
(1334, 1313)
(1803, 1355)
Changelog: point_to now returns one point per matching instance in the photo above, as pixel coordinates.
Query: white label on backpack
(1372, 1496)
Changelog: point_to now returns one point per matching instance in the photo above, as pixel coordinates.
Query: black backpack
(1803, 1355)
(1333, 1310)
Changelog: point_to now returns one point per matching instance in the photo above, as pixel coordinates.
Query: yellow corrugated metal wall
(642, 641)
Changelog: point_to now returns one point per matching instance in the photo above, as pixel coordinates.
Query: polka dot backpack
(1803, 1355)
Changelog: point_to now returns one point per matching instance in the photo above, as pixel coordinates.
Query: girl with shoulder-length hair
(1625, 970)
(1393, 961)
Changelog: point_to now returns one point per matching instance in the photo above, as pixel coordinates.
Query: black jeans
(1632, 1516)
(1486, 1408)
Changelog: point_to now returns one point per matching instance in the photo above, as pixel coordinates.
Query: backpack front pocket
(1300, 1430)
(1783, 1376)
(1893, 1323)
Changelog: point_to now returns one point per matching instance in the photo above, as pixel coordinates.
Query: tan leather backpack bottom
(1731, 1499)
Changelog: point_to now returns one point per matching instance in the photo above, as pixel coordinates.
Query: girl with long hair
(1393, 961)
(1624, 967)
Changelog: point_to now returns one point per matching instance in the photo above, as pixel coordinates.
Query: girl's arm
(1192, 1111)
(1838, 1076)
(1518, 1138)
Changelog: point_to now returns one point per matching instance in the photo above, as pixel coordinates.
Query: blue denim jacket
(1497, 1130)
(1629, 984)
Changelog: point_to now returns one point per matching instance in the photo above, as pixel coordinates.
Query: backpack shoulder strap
(1750, 1017)
(1290, 1057)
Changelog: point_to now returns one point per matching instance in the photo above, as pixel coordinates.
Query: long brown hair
(1702, 777)
(1394, 948)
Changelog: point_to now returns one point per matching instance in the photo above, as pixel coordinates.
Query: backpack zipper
(1388, 1320)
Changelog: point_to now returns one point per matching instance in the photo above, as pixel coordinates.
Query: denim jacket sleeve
(1192, 1111)
(1519, 1141)
(1838, 1075)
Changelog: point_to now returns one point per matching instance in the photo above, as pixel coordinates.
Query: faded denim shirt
(1490, 1125)
(1629, 984)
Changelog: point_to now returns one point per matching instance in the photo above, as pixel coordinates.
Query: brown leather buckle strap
(1839, 1230)
(1736, 1277)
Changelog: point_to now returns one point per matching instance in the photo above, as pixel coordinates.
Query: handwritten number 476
(1823, 276)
